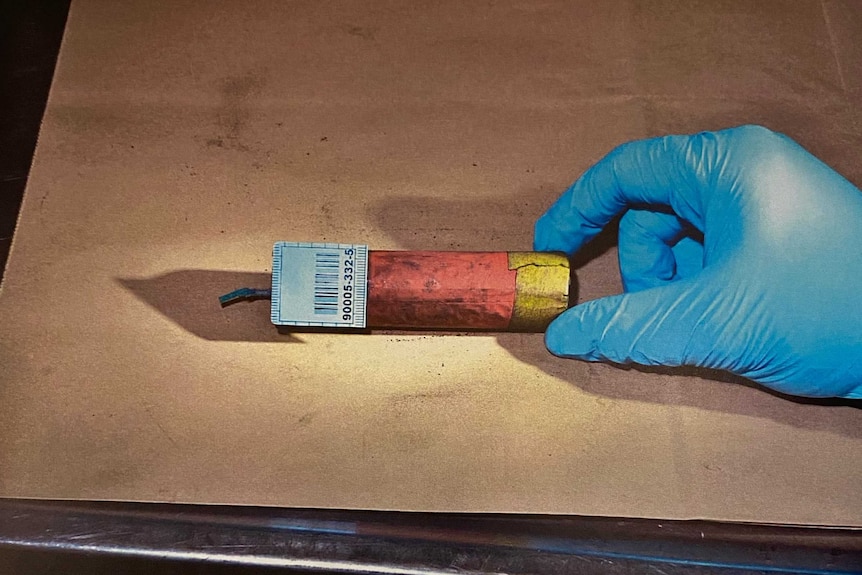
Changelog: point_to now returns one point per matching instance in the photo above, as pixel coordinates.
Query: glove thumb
(659, 326)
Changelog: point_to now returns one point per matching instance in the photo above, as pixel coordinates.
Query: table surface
(179, 142)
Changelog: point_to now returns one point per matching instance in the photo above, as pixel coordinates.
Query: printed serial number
(347, 286)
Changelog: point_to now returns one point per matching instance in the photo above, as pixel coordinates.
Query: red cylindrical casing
(521, 291)
(440, 290)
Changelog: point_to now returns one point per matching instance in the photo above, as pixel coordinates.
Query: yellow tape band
(541, 289)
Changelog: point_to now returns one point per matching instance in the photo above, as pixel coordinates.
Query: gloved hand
(773, 293)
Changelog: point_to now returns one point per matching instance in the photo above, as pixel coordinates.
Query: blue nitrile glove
(773, 294)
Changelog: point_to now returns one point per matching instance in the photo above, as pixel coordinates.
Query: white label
(319, 285)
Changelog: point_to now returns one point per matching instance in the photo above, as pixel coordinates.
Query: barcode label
(326, 289)
(319, 285)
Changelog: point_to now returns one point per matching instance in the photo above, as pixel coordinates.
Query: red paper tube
(502, 291)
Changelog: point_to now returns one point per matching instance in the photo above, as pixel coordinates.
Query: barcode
(326, 292)
(319, 284)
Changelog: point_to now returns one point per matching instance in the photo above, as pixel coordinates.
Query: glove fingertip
(547, 236)
(565, 337)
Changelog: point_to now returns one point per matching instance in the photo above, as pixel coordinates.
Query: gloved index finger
(672, 171)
